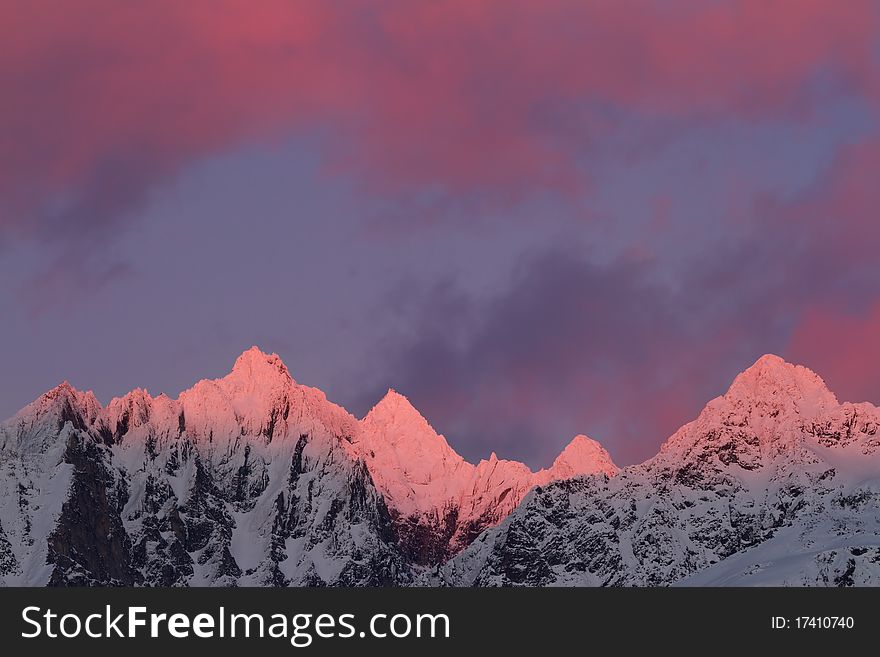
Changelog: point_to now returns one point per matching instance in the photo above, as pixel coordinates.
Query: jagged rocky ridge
(251, 479)
(775, 483)
(255, 479)
(439, 501)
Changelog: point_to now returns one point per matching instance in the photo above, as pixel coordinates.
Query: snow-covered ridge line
(438, 501)
(253, 479)
(775, 482)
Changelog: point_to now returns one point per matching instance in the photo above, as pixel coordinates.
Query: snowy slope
(254, 479)
(37, 480)
(248, 479)
(775, 482)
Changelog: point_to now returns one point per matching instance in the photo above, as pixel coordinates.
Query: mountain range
(255, 479)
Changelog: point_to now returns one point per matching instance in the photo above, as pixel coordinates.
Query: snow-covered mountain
(248, 479)
(774, 483)
(439, 501)
(256, 479)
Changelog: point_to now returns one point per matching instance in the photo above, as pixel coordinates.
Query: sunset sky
(534, 219)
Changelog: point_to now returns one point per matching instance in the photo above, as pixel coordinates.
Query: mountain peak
(395, 407)
(391, 395)
(138, 394)
(582, 455)
(773, 367)
(411, 464)
(771, 398)
(64, 391)
(132, 409)
(255, 365)
(774, 380)
(61, 403)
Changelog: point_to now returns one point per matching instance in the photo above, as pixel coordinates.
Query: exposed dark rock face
(89, 544)
(8, 563)
(426, 541)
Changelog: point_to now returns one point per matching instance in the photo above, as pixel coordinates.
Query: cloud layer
(105, 100)
(434, 117)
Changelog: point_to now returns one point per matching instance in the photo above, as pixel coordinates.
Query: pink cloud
(827, 243)
(494, 98)
(844, 349)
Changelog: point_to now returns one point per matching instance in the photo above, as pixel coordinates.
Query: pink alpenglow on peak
(776, 381)
(61, 403)
(437, 499)
(261, 398)
(582, 455)
(438, 496)
(763, 414)
(254, 365)
(413, 465)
